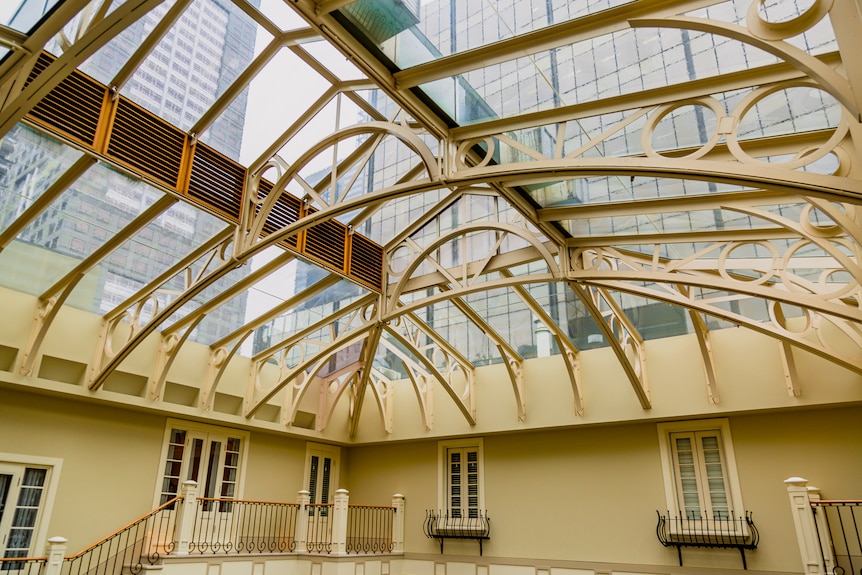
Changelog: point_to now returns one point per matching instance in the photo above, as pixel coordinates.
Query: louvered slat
(366, 261)
(326, 242)
(283, 213)
(217, 181)
(73, 107)
(147, 142)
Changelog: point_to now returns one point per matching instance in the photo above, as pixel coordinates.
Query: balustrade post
(56, 550)
(185, 517)
(339, 522)
(822, 529)
(806, 530)
(301, 535)
(398, 524)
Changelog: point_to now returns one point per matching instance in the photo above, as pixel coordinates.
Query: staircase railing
(145, 540)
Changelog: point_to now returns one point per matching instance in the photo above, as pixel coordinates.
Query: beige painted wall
(590, 494)
(111, 461)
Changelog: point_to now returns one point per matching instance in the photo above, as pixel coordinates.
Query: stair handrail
(135, 563)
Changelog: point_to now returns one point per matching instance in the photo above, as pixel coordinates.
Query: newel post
(56, 550)
(806, 530)
(339, 522)
(398, 524)
(301, 535)
(185, 518)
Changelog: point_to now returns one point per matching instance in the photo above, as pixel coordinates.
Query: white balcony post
(398, 524)
(301, 535)
(185, 517)
(56, 550)
(803, 520)
(339, 522)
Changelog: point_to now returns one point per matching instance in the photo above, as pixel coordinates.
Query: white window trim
(334, 473)
(669, 471)
(172, 423)
(55, 464)
(443, 470)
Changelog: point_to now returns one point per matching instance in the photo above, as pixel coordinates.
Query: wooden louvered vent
(73, 107)
(326, 242)
(157, 150)
(283, 213)
(217, 181)
(366, 261)
(146, 142)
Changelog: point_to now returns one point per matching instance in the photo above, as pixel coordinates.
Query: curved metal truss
(788, 268)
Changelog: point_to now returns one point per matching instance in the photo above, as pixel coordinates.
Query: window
(214, 457)
(321, 473)
(700, 471)
(27, 488)
(461, 493)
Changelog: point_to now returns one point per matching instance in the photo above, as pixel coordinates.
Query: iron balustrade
(143, 541)
(725, 531)
(837, 525)
(23, 565)
(191, 525)
(319, 538)
(369, 529)
(239, 526)
(443, 526)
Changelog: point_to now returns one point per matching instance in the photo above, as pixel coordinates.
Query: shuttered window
(701, 480)
(700, 472)
(462, 478)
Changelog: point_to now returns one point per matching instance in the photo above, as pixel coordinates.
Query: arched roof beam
(773, 330)
(570, 353)
(465, 275)
(357, 400)
(466, 402)
(704, 342)
(255, 401)
(52, 299)
(626, 343)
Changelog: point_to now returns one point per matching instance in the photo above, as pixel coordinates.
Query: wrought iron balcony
(725, 531)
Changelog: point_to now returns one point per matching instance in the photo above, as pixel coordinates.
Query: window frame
(54, 465)
(206, 431)
(670, 472)
(443, 447)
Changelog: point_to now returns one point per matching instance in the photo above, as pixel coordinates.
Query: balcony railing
(187, 525)
(369, 529)
(723, 531)
(229, 526)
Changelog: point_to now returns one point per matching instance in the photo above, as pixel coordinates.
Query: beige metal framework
(793, 249)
